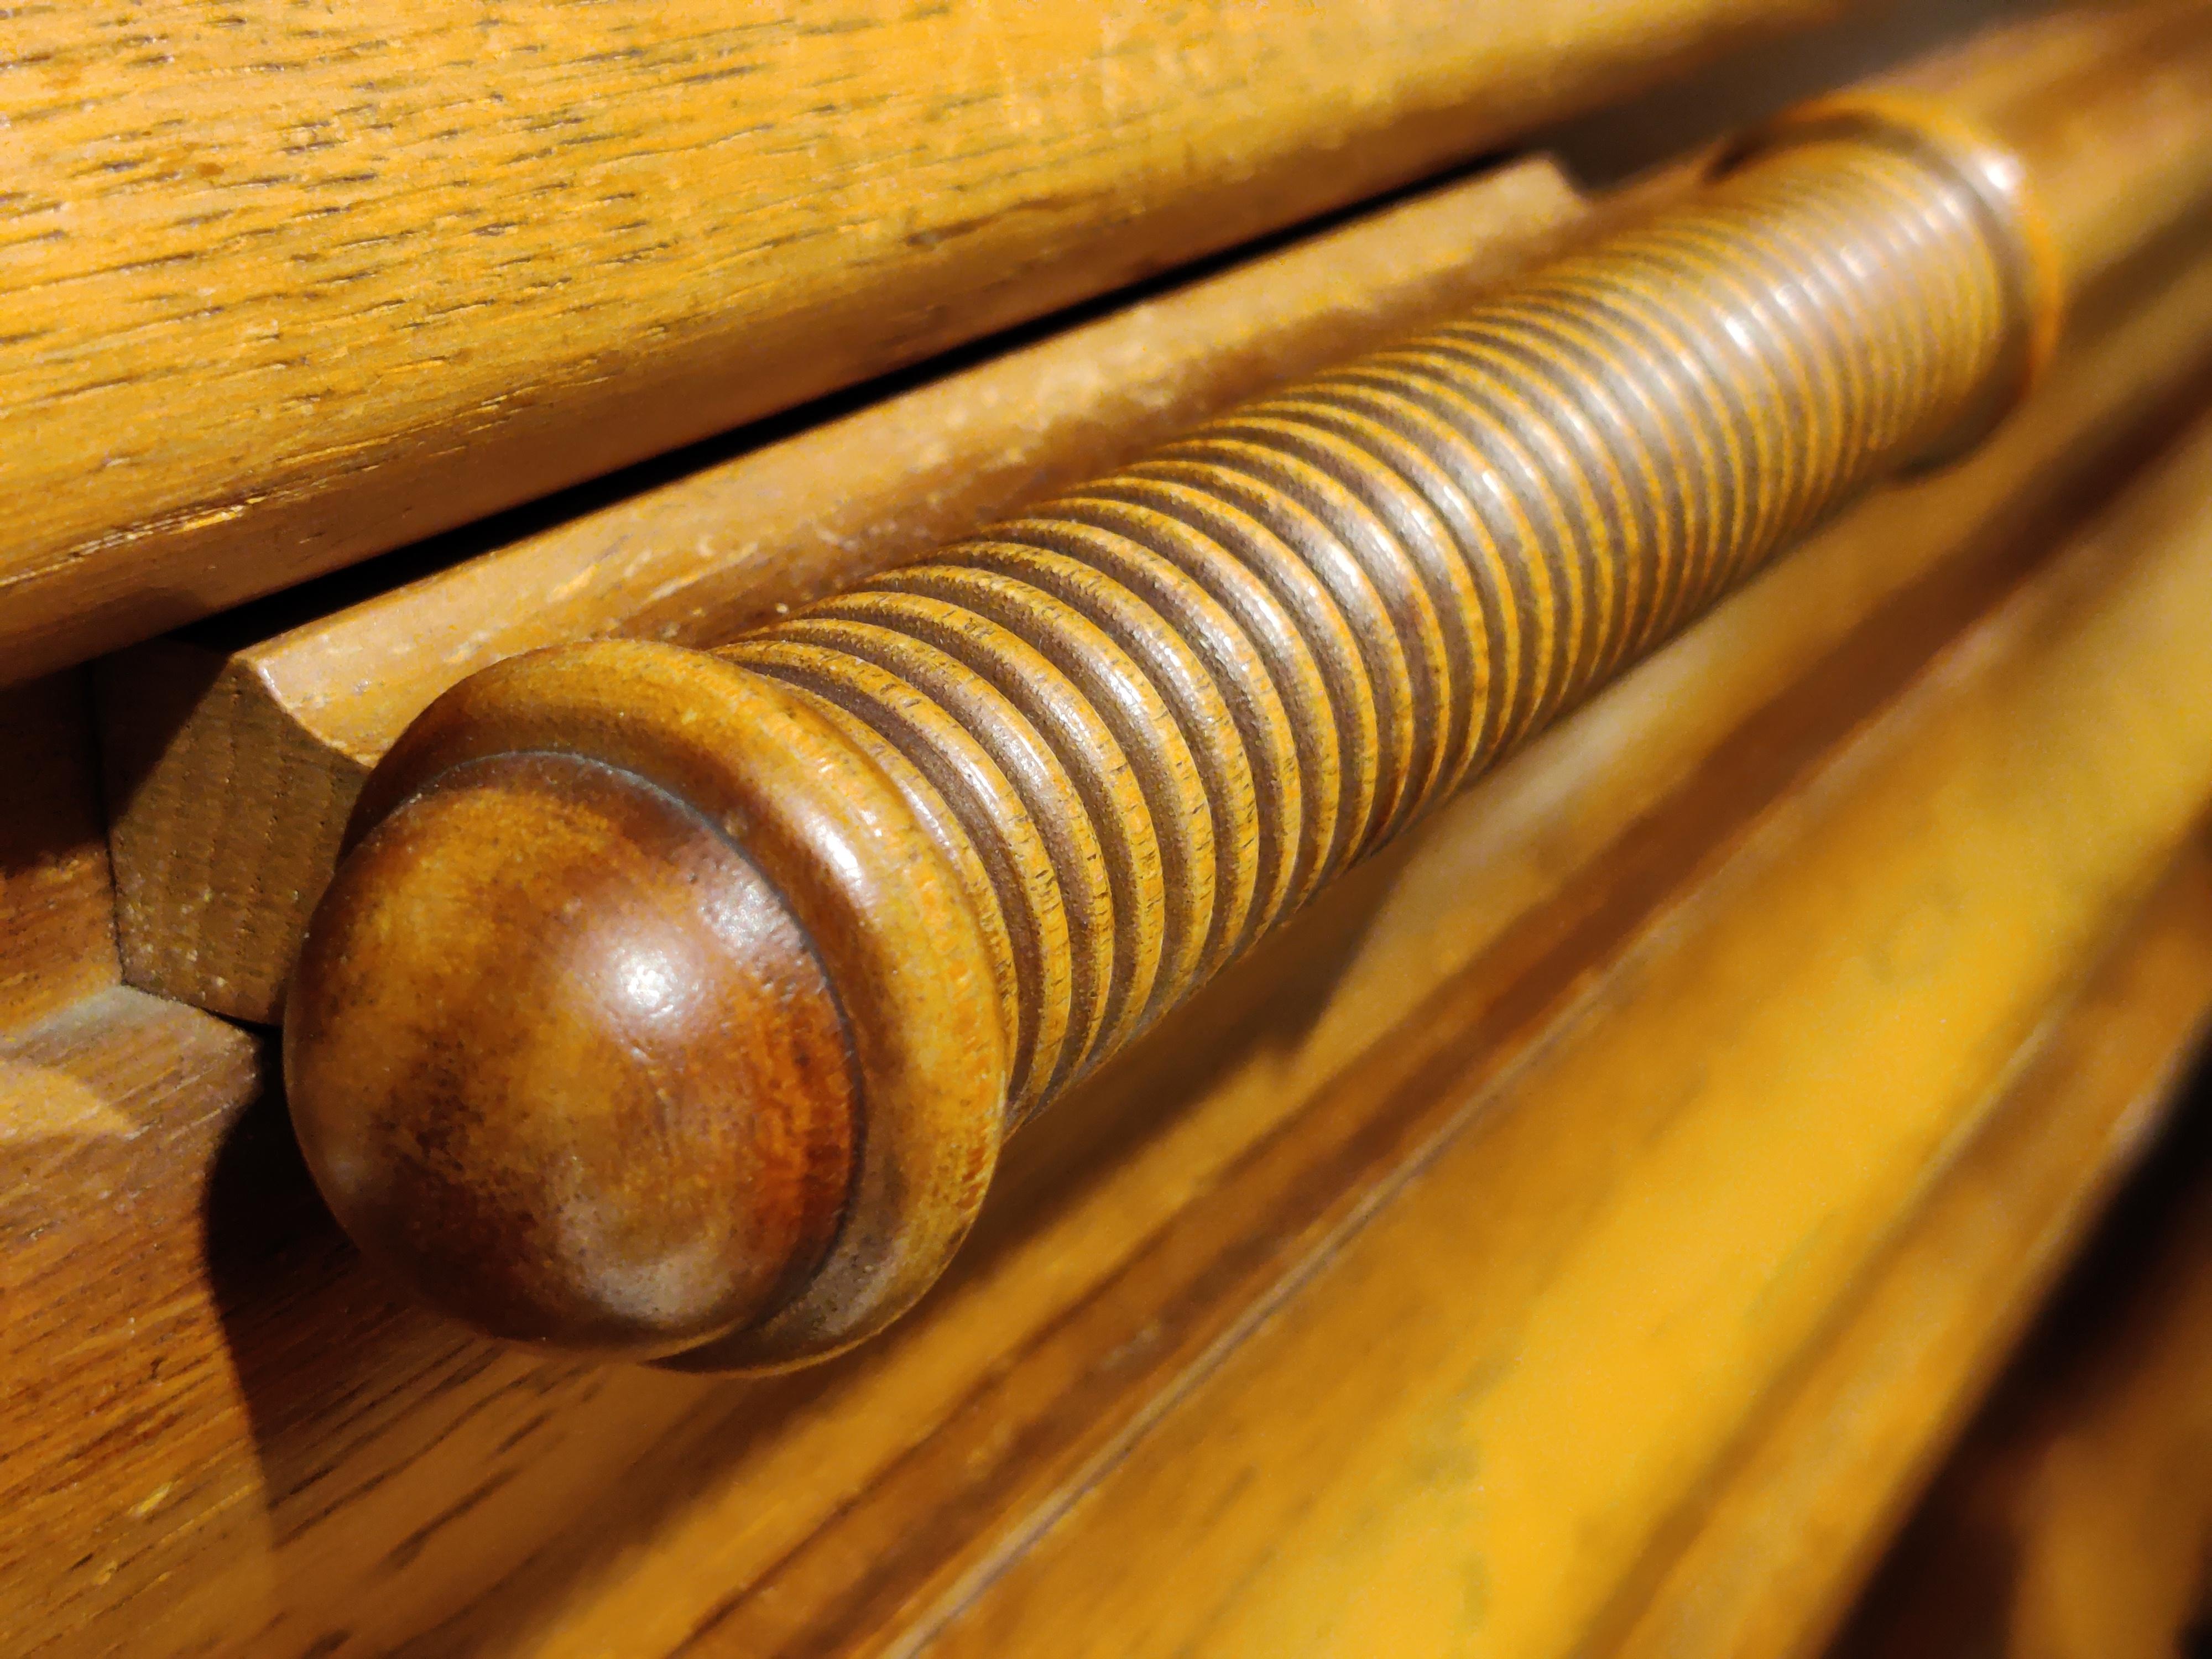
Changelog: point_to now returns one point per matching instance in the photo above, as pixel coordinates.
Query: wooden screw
(678, 1002)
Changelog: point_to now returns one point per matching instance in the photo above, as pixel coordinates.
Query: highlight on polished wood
(1020, 801)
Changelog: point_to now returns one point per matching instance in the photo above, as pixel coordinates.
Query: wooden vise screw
(678, 1002)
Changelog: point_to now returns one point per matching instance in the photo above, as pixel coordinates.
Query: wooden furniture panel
(1578, 1231)
(283, 291)
(369, 1478)
(1569, 1312)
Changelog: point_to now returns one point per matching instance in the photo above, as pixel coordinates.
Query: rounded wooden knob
(647, 1013)
(805, 924)
(565, 1060)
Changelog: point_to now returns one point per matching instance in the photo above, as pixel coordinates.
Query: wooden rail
(676, 1001)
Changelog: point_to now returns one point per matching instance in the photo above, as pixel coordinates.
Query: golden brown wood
(1798, 1515)
(2075, 1517)
(232, 770)
(57, 910)
(283, 289)
(1563, 1320)
(1135, 728)
(353, 1475)
(233, 766)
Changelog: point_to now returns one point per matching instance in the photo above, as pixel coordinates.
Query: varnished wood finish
(1135, 728)
(57, 907)
(1565, 1318)
(283, 289)
(232, 770)
(2074, 1518)
(314, 1466)
(673, 951)
(1796, 1516)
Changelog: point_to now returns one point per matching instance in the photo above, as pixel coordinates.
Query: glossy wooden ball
(560, 1057)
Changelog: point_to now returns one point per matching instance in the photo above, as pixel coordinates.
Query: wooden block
(284, 293)
(361, 1474)
(1488, 1398)
(231, 771)
(56, 907)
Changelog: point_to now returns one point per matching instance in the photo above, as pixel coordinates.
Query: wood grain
(232, 767)
(281, 291)
(56, 905)
(1563, 1317)
(1800, 1510)
(363, 1478)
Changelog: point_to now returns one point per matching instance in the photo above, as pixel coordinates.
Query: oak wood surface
(57, 902)
(232, 767)
(1800, 1510)
(361, 1478)
(1563, 1317)
(281, 291)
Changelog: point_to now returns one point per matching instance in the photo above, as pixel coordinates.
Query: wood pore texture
(257, 1446)
(280, 289)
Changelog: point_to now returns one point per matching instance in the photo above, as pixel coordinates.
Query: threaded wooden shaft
(678, 1002)
(1159, 711)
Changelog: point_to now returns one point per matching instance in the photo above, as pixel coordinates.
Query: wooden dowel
(673, 999)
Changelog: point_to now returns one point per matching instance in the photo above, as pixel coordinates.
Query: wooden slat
(1796, 1521)
(232, 768)
(367, 1480)
(1474, 1419)
(56, 907)
(280, 289)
